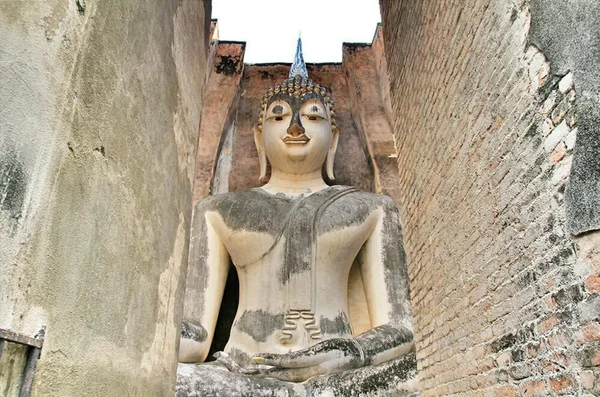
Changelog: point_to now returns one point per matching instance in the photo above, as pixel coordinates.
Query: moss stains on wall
(101, 114)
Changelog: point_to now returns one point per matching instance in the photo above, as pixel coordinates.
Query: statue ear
(331, 153)
(262, 156)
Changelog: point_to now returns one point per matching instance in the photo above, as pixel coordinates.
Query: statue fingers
(339, 364)
(296, 374)
(227, 361)
(312, 356)
(232, 365)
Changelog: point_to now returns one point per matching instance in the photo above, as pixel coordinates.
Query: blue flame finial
(298, 66)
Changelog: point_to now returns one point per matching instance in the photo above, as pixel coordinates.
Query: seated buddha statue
(293, 242)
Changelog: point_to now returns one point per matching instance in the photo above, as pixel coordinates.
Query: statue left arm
(383, 267)
(385, 279)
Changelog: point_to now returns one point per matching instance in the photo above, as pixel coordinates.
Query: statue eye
(279, 118)
(313, 117)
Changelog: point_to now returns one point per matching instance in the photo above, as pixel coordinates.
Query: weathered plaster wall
(101, 104)
(568, 33)
(505, 301)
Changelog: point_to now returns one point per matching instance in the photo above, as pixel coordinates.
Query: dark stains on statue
(259, 324)
(340, 325)
(213, 380)
(383, 379)
(350, 210)
(394, 260)
(253, 210)
(299, 241)
(258, 211)
(240, 357)
(382, 338)
(300, 233)
(278, 109)
(193, 331)
(294, 219)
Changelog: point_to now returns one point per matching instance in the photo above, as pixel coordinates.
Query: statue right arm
(208, 265)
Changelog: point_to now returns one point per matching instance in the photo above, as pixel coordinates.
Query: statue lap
(393, 378)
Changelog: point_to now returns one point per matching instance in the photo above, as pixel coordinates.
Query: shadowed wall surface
(101, 104)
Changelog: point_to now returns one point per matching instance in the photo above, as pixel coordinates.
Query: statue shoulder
(251, 209)
(376, 200)
(228, 201)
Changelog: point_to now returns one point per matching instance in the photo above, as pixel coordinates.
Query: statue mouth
(296, 139)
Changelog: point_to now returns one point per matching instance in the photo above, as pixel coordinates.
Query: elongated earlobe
(262, 156)
(331, 154)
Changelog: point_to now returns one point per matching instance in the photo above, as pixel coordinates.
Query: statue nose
(295, 129)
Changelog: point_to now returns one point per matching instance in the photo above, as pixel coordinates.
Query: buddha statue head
(296, 131)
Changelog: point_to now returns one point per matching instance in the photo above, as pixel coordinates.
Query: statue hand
(327, 357)
(233, 366)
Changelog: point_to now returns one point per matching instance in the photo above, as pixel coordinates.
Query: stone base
(394, 378)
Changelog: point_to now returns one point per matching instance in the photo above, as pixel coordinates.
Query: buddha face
(296, 134)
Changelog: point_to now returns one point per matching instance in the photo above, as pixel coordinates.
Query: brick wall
(505, 300)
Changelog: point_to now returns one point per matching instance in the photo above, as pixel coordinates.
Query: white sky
(270, 27)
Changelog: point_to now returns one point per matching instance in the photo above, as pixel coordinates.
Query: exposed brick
(504, 359)
(588, 378)
(592, 283)
(535, 387)
(568, 296)
(549, 323)
(520, 371)
(558, 153)
(589, 356)
(532, 349)
(591, 332)
(505, 342)
(559, 338)
(563, 384)
(506, 391)
(556, 362)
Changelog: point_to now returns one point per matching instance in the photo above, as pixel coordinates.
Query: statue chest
(293, 257)
(295, 236)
